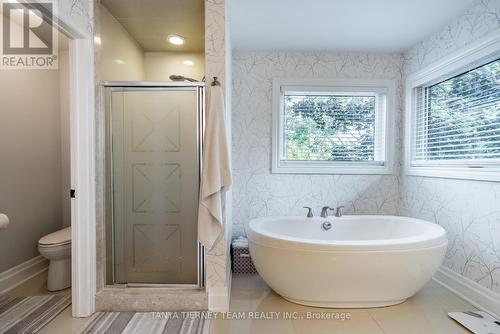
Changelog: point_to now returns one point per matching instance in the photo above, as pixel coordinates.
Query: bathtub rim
(436, 237)
(360, 250)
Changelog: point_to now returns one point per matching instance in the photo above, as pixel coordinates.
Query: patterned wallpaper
(216, 64)
(259, 193)
(479, 20)
(78, 12)
(468, 210)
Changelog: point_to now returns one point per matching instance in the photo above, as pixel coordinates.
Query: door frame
(157, 85)
(82, 147)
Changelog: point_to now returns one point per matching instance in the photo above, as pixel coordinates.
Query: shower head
(181, 78)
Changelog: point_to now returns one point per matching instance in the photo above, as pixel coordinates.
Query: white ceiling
(149, 22)
(338, 25)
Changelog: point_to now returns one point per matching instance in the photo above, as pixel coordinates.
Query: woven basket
(242, 261)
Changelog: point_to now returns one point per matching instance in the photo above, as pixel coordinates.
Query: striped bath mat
(148, 323)
(30, 314)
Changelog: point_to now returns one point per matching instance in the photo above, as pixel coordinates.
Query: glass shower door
(155, 183)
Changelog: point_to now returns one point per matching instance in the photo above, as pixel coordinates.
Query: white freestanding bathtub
(362, 261)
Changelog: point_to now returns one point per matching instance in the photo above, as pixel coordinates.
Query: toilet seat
(58, 238)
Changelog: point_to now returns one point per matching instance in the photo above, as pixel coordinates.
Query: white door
(155, 162)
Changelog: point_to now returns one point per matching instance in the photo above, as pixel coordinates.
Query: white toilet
(56, 247)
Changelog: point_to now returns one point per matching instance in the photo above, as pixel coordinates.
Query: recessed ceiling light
(188, 62)
(97, 40)
(119, 61)
(176, 40)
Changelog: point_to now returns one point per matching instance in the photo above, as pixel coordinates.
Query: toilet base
(59, 274)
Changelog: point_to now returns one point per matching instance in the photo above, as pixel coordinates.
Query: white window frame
(386, 86)
(475, 54)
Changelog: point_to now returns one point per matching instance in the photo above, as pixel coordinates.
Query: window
(458, 120)
(337, 127)
(455, 121)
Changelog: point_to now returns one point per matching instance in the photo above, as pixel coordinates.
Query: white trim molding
(381, 87)
(83, 206)
(476, 294)
(82, 142)
(473, 55)
(21, 273)
(82, 138)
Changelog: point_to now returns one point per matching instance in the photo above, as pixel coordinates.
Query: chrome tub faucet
(338, 211)
(324, 211)
(309, 212)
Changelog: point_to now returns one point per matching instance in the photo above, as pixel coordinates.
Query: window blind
(320, 126)
(458, 120)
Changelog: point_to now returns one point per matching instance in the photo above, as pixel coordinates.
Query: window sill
(459, 173)
(353, 169)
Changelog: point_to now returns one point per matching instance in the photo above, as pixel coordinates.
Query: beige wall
(119, 55)
(64, 104)
(30, 161)
(159, 66)
(34, 157)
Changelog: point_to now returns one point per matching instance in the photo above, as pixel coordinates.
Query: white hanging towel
(216, 171)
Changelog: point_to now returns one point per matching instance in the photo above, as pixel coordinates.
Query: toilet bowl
(56, 247)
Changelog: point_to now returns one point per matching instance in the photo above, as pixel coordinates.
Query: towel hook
(215, 82)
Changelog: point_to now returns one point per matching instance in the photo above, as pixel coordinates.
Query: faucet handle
(338, 212)
(309, 212)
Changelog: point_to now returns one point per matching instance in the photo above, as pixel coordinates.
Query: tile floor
(425, 313)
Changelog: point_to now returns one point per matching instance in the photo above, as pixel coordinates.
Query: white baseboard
(19, 274)
(476, 294)
(218, 299)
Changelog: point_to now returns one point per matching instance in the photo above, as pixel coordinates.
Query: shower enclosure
(153, 157)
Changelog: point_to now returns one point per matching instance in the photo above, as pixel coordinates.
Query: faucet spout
(324, 211)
